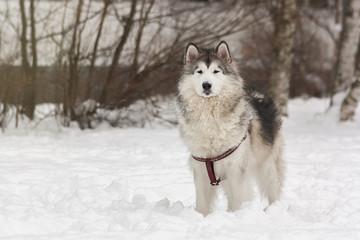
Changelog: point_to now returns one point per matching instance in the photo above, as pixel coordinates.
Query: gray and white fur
(215, 113)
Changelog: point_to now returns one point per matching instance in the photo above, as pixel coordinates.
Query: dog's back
(266, 111)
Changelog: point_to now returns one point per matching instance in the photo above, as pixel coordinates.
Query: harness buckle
(216, 183)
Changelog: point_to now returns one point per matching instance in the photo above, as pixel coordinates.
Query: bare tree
(61, 80)
(34, 67)
(29, 74)
(148, 51)
(96, 45)
(118, 50)
(24, 55)
(25, 63)
(350, 102)
(144, 15)
(338, 11)
(284, 15)
(73, 58)
(4, 105)
(347, 44)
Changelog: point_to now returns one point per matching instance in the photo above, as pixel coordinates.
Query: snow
(112, 183)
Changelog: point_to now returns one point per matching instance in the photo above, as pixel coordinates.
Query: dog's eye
(200, 71)
(216, 71)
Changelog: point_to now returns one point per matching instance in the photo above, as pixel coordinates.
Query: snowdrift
(133, 183)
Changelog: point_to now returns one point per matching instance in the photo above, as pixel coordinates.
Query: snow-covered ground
(135, 184)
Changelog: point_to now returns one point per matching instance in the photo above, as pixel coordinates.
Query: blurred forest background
(94, 59)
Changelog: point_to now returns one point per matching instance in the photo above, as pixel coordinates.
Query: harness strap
(209, 163)
(211, 173)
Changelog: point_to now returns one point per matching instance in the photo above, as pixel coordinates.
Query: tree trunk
(338, 11)
(24, 58)
(73, 74)
(345, 59)
(28, 101)
(119, 48)
(350, 102)
(142, 23)
(93, 57)
(284, 17)
(33, 77)
(3, 114)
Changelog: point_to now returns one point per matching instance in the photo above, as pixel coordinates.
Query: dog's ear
(223, 52)
(191, 53)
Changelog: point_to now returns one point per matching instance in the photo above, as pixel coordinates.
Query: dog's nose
(206, 86)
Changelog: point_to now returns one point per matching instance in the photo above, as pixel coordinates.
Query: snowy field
(135, 184)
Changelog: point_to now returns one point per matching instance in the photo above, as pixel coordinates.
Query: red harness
(209, 162)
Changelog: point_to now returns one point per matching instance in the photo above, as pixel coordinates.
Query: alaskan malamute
(232, 132)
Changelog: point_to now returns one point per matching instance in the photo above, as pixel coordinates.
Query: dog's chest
(210, 131)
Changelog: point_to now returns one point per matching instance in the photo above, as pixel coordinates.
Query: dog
(233, 132)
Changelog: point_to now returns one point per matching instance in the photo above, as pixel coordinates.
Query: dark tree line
(279, 49)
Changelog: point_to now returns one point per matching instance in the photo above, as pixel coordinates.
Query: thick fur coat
(216, 111)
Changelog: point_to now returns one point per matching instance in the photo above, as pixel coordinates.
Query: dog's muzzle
(206, 87)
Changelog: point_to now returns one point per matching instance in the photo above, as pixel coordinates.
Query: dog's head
(207, 70)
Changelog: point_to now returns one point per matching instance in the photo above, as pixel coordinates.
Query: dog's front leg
(204, 191)
(237, 188)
